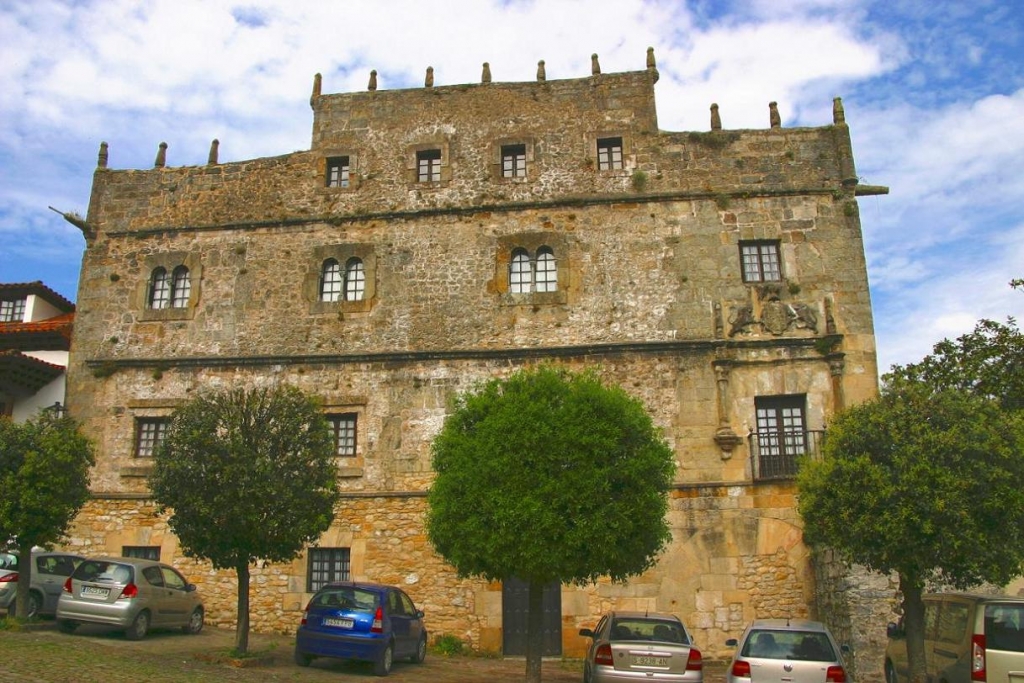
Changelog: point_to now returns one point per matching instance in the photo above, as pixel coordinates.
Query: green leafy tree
(987, 362)
(247, 476)
(548, 476)
(44, 476)
(923, 482)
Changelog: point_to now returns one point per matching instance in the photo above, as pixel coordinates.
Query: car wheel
(35, 603)
(421, 652)
(301, 658)
(195, 622)
(890, 673)
(139, 627)
(382, 667)
(67, 626)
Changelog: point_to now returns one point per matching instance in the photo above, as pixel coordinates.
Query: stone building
(434, 237)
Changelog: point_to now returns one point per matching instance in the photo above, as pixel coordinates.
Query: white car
(786, 651)
(49, 573)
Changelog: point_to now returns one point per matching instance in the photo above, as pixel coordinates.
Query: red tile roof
(20, 373)
(21, 289)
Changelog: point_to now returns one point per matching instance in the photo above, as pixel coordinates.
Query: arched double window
(336, 282)
(169, 290)
(529, 274)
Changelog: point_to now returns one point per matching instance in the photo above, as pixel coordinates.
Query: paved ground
(98, 655)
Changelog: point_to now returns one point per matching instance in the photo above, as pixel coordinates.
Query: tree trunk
(24, 579)
(534, 631)
(913, 622)
(242, 632)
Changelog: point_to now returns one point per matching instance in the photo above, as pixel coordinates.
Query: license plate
(340, 623)
(95, 591)
(646, 660)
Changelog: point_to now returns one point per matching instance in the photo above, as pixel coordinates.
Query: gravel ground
(41, 654)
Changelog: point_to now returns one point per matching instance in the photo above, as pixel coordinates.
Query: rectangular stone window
(327, 565)
(609, 154)
(12, 310)
(761, 261)
(142, 552)
(149, 434)
(513, 161)
(428, 165)
(344, 426)
(781, 437)
(338, 172)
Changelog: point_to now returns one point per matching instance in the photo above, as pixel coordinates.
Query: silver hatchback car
(130, 594)
(786, 651)
(641, 646)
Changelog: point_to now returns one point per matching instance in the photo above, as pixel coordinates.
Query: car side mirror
(732, 642)
(419, 614)
(845, 649)
(586, 633)
(894, 630)
(190, 588)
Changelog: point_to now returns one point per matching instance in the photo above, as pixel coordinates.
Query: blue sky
(933, 92)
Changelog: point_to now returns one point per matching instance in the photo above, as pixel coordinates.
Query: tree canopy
(549, 476)
(247, 476)
(925, 480)
(44, 474)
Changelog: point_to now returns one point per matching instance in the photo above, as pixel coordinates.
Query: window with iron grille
(428, 165)
(546, 273)
(609, 154)
(327, 565)
(12, 310)
(337, 172)
(331, 280)
(781, 435)
(761, 261)
(355, 280)
(149, 434)
(513, 161)
(142, 552)
(344, 426)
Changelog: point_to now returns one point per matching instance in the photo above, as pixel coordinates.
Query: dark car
(364, 621)
(641, 646)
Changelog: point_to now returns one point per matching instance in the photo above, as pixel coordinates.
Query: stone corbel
(725, 437)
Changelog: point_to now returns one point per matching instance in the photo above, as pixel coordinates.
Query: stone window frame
(349, 465)
(169, 261)
(532, 242)
(628, 162)
(323, 165)
(497, 159)
(343, 254)
(145, 409)
(440, 144)
(160, 424)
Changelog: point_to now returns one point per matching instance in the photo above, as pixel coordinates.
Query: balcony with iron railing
(777, 455)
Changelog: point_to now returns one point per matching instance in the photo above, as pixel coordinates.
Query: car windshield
(649, 629)
(1004, 627)
(811, 646)
(346, 598)
(102, 571)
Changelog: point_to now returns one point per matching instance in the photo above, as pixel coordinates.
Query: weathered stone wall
(649, 294)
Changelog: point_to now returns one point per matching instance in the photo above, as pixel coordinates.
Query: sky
(933, 92)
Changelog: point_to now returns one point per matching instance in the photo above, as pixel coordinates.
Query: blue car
(364, 621)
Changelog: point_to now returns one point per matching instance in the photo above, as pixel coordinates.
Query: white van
(967, 638)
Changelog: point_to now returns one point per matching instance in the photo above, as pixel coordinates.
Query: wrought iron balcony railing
(776, 455)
